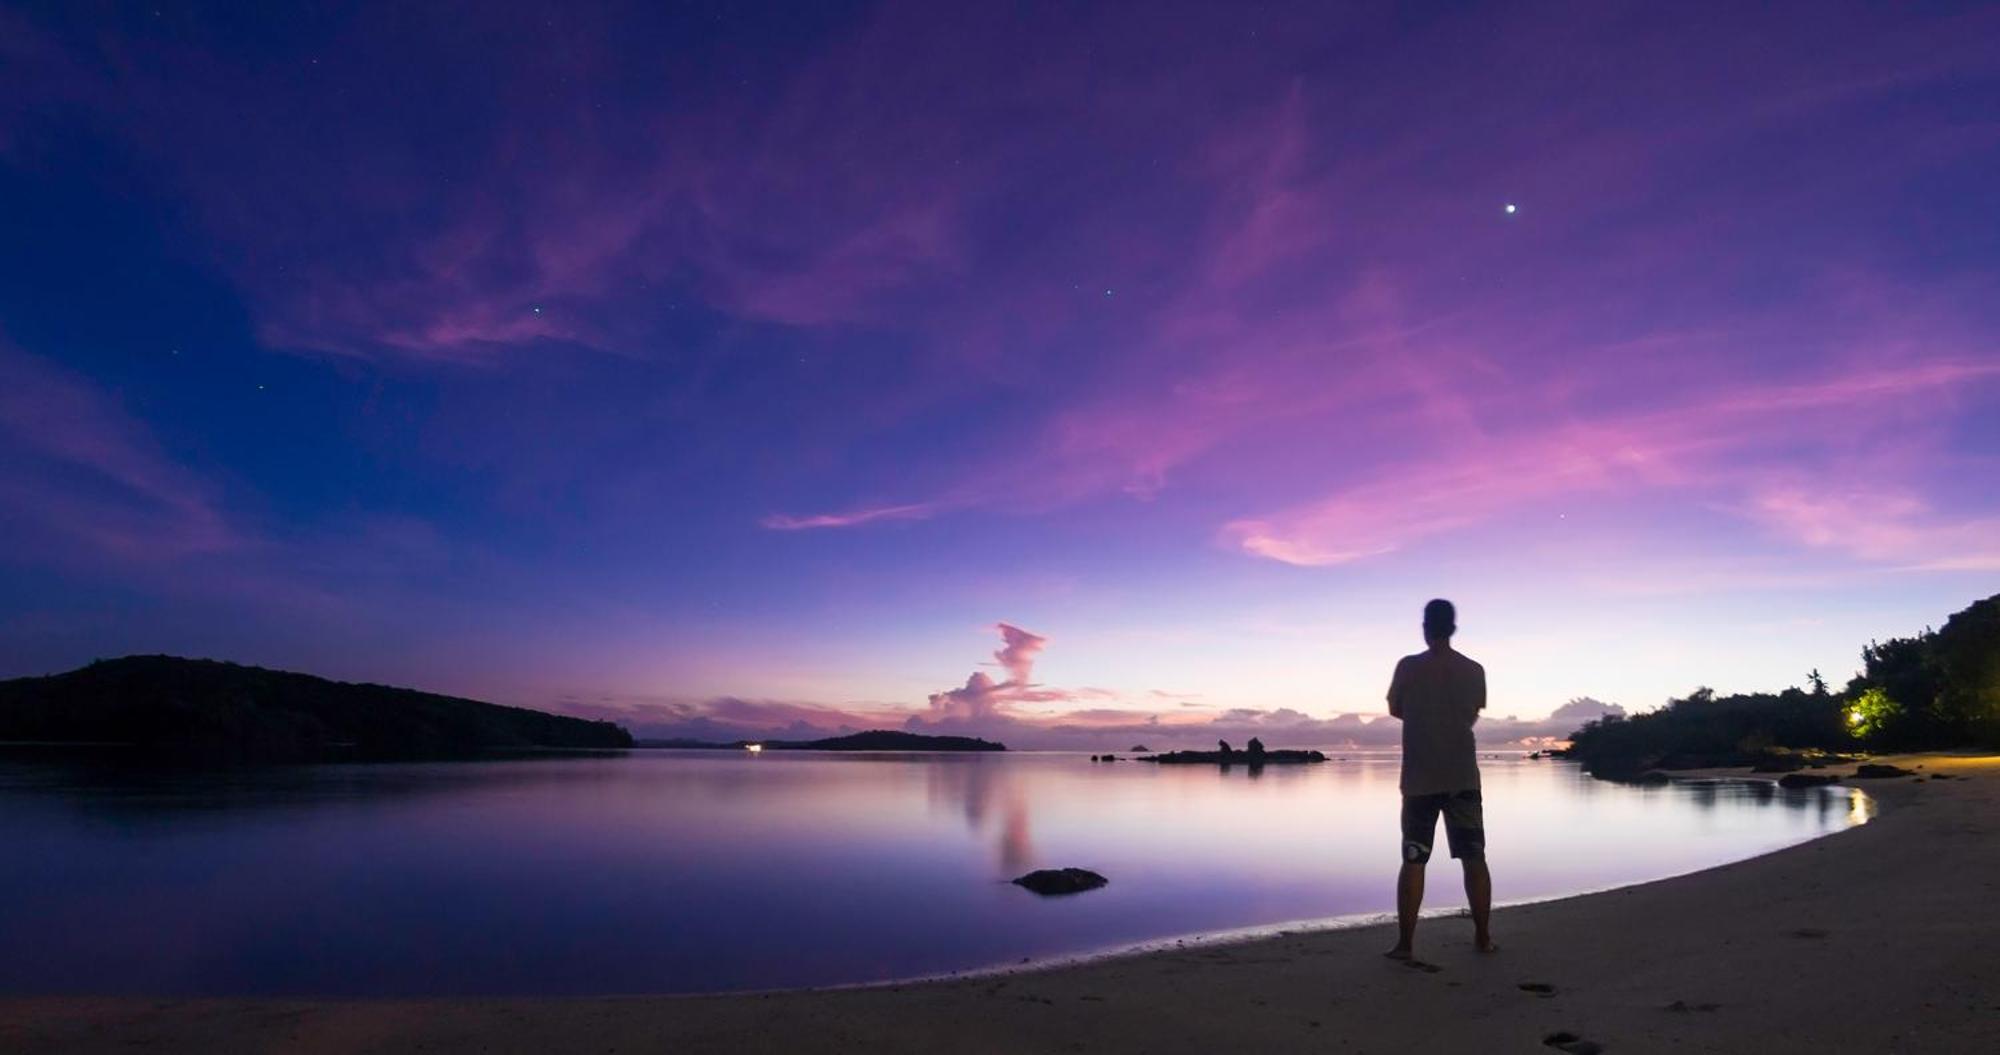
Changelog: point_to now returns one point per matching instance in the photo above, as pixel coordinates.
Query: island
(1253, 755)
(870, 740)
(205, 710)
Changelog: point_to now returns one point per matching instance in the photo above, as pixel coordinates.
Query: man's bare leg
(1409, 898)
(1479, 894)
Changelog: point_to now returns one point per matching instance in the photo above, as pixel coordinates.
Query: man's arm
(1478, 693)
(1396, 690)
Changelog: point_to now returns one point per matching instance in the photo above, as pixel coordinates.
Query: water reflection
(974, 786)
(688, 871)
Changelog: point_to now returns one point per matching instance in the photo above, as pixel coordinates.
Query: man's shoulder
(1469, 663)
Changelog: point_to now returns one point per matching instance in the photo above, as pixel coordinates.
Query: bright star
(1510, 208)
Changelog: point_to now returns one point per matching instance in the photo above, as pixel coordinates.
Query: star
(1510, 208)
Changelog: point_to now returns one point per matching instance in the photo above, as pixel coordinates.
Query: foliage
(1702, 729)
(1935, 690)
(1944, 684)
(1966, 654)
(1873, 717)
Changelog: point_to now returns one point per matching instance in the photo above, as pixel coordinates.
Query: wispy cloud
(1729, 444)
(83, 469)
(853, 518)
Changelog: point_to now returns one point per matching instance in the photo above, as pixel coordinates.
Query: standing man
(1438, 694)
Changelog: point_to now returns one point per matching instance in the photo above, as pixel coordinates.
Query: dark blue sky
(750, 365)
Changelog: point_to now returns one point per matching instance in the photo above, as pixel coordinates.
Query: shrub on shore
(1939, 689)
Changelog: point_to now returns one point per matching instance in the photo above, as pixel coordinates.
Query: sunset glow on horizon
(1075, 378)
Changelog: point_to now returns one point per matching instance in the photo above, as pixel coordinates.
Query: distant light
(1854, 717)
(1511, 209)
(753, 748)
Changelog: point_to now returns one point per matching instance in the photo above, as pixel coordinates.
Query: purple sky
(730, 370)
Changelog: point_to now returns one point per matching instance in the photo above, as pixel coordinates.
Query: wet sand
(1883, 938)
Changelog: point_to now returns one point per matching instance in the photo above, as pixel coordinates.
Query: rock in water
(1049, 882)
(1805, 780)
(1871, 771)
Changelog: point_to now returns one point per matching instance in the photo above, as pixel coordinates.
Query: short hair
(1440, 619)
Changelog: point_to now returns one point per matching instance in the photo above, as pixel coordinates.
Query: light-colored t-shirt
(1438, 695)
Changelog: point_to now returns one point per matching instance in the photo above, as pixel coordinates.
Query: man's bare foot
(1485, 944)
(1400, 952)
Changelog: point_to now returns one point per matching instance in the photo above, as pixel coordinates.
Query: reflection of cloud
(973, 786)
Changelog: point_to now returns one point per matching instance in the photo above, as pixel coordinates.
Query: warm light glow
(754, 748)
(1854, 717)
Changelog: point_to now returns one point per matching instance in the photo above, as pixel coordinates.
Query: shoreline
(1875, 938)
(1288, 928)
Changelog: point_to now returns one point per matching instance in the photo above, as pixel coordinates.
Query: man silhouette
(1438, 694)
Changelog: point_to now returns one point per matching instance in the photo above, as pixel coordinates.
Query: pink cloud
(1017, 656)
(1704, 446)
(1880, 525)
(983, 698)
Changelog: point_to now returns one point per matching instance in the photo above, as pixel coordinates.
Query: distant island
(1253, 755)
(871, 740)
(213, 711)
(1937, 690)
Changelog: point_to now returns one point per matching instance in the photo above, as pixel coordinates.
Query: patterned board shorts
(1464, 825)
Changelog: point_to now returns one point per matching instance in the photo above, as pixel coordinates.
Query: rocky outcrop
(1053, 882)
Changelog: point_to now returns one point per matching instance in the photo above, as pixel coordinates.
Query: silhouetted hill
(872, 740)
(211, 710)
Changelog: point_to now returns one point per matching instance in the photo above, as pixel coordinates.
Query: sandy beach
(1878, 939)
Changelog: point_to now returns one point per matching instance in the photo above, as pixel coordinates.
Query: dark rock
(1256, 750)
(1779, 764)
(1877, 771)
(1050, 882)
(1534, 754)
(1652, 778)
(1805, 780)
(1140, 749)
(1223, 748)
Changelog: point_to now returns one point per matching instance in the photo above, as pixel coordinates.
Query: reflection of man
(1438, 694)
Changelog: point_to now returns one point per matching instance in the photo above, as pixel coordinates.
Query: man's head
(1440, 621)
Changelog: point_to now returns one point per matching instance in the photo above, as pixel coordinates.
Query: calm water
(682, 871)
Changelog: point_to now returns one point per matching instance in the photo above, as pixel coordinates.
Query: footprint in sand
(1420, 965)
(1809, 932)
(1572, 1043)
(1541, 989)
(1683, 1007)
